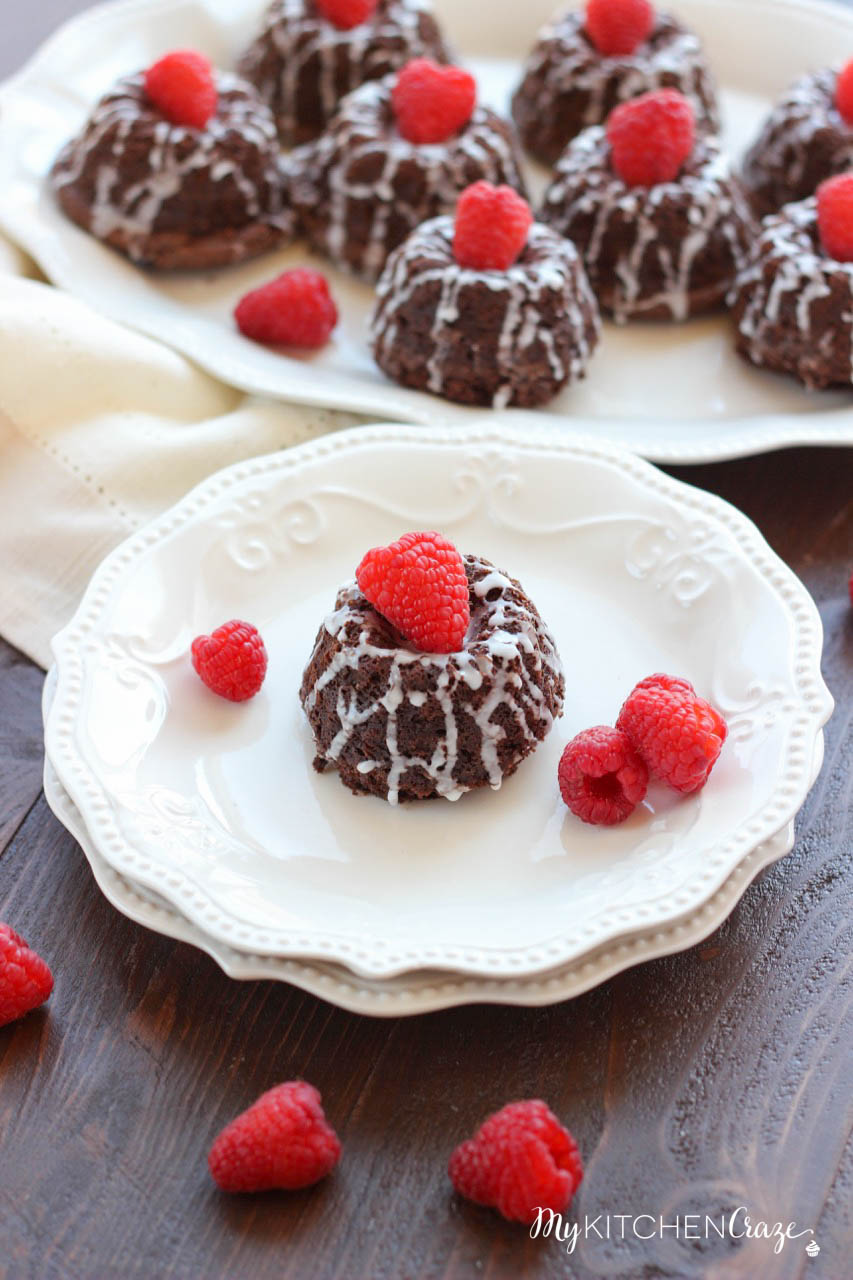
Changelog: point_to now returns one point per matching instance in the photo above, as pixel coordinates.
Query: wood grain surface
(716, 1078)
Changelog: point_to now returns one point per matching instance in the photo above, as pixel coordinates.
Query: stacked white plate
(204, 820)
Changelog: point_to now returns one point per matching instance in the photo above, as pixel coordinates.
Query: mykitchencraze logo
(689, 1226)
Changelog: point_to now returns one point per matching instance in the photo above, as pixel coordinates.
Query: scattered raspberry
(678, 734)
(419, 584)
(25, 980)
(651, 137)
(835, 216)
(346, 14)
(844, 92)
(617, 27)
(232, 661)
(602, 779)
(491, 227)
(282, 1142)
(182, 86)
(294, 310)
(520, 1160)
(430, 102)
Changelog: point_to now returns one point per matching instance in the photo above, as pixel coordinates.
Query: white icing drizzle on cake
(301, 37)
(563, 60)
(363, 138)
(132, 188)
(786, 275)
(549, 265)
(779, 160)
(586, 186)
(507, 644)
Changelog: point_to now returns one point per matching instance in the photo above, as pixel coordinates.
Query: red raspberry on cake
(519, 1161)
(25, 980)
(232, 662)
(283, 1142)
(678, 734)
(431, 102)
(419, 584)
(294, 310)
(182, 86)
(602, 779)
(835, 216)
(491, 230)
(346, 14)
(618, 27)
(844, 92)
(651, 137)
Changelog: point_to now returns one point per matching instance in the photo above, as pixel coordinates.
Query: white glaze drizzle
(363, 131)
(787, 264)
(515, 634)
(549, 265)
(563, 60)
(586, 185)
(778, 159)
(134, 207)
(300, 35)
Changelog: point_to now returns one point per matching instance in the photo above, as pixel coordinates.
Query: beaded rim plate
(671, 393)
(217, 809)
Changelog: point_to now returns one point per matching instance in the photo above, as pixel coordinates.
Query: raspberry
(25, 980)
(346, 14)
(182, 86)
(282, 1142)
(294, 310)
(678, 734)
(602, 779)
(491, 227)
(844, 92)
(419, 584)
(835, 216)
(519, 1161)
(651, 137)
(616, 27)
(232, 661)
(430, 102)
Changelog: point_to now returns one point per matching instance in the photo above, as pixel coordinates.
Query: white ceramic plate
(217, 809)
(672, 393)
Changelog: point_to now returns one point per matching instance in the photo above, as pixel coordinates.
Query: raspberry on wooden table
(419, 584)
(232, 661)
(25, 980)
(294, 310)
(182, 86)
(432, 102)
(491, 227)
(519, 1161)
(346, 14)
(835, 216)
(602, 779)
(678, 734)
(283, 1142)
(844, 92)
(651, 137)
(617, 27)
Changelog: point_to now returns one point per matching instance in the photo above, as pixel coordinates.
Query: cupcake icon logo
(812, 1248)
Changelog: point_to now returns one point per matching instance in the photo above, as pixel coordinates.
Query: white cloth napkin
(100, 430)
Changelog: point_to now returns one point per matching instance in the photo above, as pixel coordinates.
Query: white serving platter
(216, 808)
(671, 393)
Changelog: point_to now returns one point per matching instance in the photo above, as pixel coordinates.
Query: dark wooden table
(716, 1078)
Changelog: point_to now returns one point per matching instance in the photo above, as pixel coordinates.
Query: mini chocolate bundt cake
(406, 725)
(665, 251)
(793, 302)
(302, 63)
(363, 187)
(172, 195)
(569, 85)
(804, 140)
